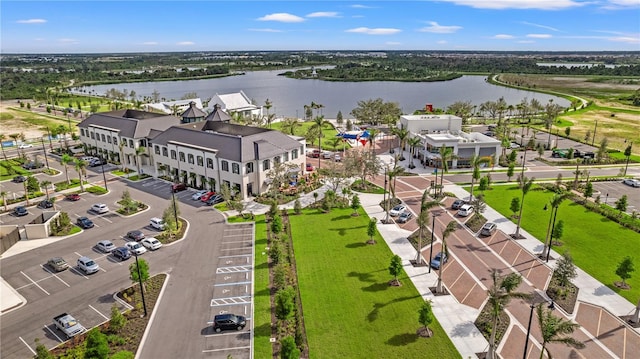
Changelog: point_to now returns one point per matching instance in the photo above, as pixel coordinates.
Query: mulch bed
(566, 298)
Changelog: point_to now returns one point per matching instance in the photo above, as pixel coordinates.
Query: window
(109, 139)
(131, 143)
(190, 158)
(181, 155)
(200, 161)
(142, 143)
(209, 162)
(156, 149)
(235, 168)
(173, 154)
(82, 131)
(294, 154)
(124, 142)
(276, 160)
(164, 151)
(266, 165)
(250, 167)
(225, 166)
(286, 156)
(92, 136)
(115, 140)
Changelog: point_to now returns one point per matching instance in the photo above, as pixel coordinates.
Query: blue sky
(152, 26)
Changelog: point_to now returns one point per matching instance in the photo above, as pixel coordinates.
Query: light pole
(386, 204)
(44, 150)
(433, 230)
(524, 159)
(144, 304)
(384, 193)
(526, 339)
(550, 228)
(606, 199)
(175, 207)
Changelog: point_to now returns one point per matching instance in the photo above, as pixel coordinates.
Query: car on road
(488, 229)
(100, 208)
(228, 322)
(177, 187)
(157, 223)
(205, 197)
(465, 210)
(96, 162)
(404, 217)
(308, 167)
(25, 145)
(84, 223)
(72, 197)
(395, 211)
(32, 165)
(87, 265)
(105, 246)
(151, 243)
(337, 158)
(19, 179)
(326, 155)
(631, 182)
(215, 200)
(438, 260)
(58, 264)
(68, 325)
(514, 145)
(196, 196)
(121, 253)
(136, 248)
(45, 204)
(135, 235)
(20, 211)
(457, 204)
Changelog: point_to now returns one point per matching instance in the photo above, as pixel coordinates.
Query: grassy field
(328, 135)
(596, 243)
(350, 310)
(33, 124)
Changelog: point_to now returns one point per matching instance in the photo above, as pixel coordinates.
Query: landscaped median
(596, 243)
(350, 310)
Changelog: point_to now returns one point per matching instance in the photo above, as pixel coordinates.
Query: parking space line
(229, 284)
(216, 302)
(55, 275)
(78, 272)
(97, 311)
(28, 346)
(37, 285)
(77, 215)
(233, 249)
(237, 255)
(236, 235)
(54, 334)
(227, 333)
(224, 349)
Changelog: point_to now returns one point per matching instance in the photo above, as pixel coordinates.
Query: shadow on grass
(402, 339)
(343, 231)
(356, 245)
(339, 218)
(262, 265)
(363, 277)
(376, 287)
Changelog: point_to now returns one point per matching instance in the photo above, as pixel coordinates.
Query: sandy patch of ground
(15, 123)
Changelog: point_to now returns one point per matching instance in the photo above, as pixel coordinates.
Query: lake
(288, 96)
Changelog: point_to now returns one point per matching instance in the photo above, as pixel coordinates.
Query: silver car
(631, 182)
(105, 246)
(88, 265)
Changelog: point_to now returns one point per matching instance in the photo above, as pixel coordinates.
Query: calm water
(288, 96)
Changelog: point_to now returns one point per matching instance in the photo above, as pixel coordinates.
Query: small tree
(339, 118)
(355, 204)
(41, 351)
(288, 348)
(144, 271)
(567, 131)
(588, 190)
(97, 346)
(128, 204)
(511, 170)
(621, 204)
(515, 206)
(372, 230)
(484, 184)
(565, 270)
(284, 303)
(425, 317)
(169, 217)
(395, 269)
(276, 224)
(118, 321)
(297, 207)
(624, 270)
(225, 192)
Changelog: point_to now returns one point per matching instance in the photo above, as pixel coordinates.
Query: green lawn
(328, 135)
(596, 243)
(350, 311)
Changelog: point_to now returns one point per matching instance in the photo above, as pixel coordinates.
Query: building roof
(233, 102)
(218, 115)
(131, 123)
(168, 106)
(193, 111)
(232, 142)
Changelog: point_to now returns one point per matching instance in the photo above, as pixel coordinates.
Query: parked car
(395, 211)
(326, 155)
(196, 196)
(489, 133)
(207, 195)
(45, 204)
(72, 197)
(136, 248)
(488, 229)
(337, 158)
(314, 153)
(105, 246)
(465, 210)
(457, 204)
(100, 208)
(438, 260)
(20, 211)
(177, 187)
(135, 235)
(32, 165)
(19, 179)
(215, 200)
(121, 253)
(25, 145)
(404, 217)
(84, 223)
(87, 265)
(514, 145)
(631, 182)
(157, 223)
(228, 322)
(309, 167)
(68, 325)
(151, 243)
(58, 264)
(96, 162)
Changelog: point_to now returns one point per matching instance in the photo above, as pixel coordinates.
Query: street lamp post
(144, 304)
(433, 229)
(606, 199)
(550, 228)
(44, 150)
(175, 207)
(526, 339)
(384, 194)
(386, 204)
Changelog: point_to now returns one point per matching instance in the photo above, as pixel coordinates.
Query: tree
(515, 206)
(602, 150)
(127, 203)
(403, 136)
(97, 346)
(372, 230)
(479, 204)
(46, 185)
(362, 164)
(339, 118)
(284, 303)
(414, 143)
(376, 111)
(288, 348)
(565, 270)
(558, 230)
(624, 270)
(425, 316)
(169, 217)
(395, 269)
(511, 170)
(449, 229)
(319, 122)
(32, 184)
(139, 152)
(567, 131)
(41, 351)
(297, 206)
(117, 321)
(276, 224)
(423, 222)
(289, 125)
(66, 160)
(373, 133)
(225, 192)
(588, 190)
(526, 186)
(446, 155)
(554, 330)
(80, 166)
(621, 204)
(3, 194)
(500, 294)
(355, 204)
(144, 271)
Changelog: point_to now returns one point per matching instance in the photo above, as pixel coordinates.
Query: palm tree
(393, 173)
(3, 194)
(403, 135)
(414, 143)
(526, 186)
(139, 152)
(2, 138)
(14, 137)
(554, 329)
(26, 190)
(63, 130)
(555, 202)
(318, 123)
(46, 185)
(500, 294)
(66, 160)
(289, 125)
(373, 132)
(80, 166)
(451, 227)
(446, 155)
(423, 222)
(476, 161)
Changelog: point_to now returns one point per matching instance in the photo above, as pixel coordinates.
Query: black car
(121, 253)
(32, 165)
(19, 179)
(135, 235)
(457, 204)
(228, 321)
(96, 162)
(20, 211)
(214, 200)
(404, 217)
(84, 223)
(45, 204)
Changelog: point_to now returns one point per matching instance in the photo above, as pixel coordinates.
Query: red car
(73, 197)
(309, 167)
(207, 196)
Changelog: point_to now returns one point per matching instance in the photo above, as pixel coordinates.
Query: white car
(465, 210)
(105, 246)
(631, 182)
(25, 145)
(100, 208)
(397, 210)
(196, 196)
(151, 243)
(136, 248)
(157, 223)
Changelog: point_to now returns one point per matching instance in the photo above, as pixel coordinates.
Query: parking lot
(611, 191)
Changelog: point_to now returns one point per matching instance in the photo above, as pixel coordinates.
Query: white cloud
(623, 3)
(393, 43)
(265, 30)
(502, 37)
(360, 6)
(377, 31)
(626, 39)
(520, 4)
(439, 29)
(540, 26)
(281, 17)
(442, 42)
(185, 43)
(539, 36)
(68, 41)
(323, 14)
(32, 21)
(150, 43)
